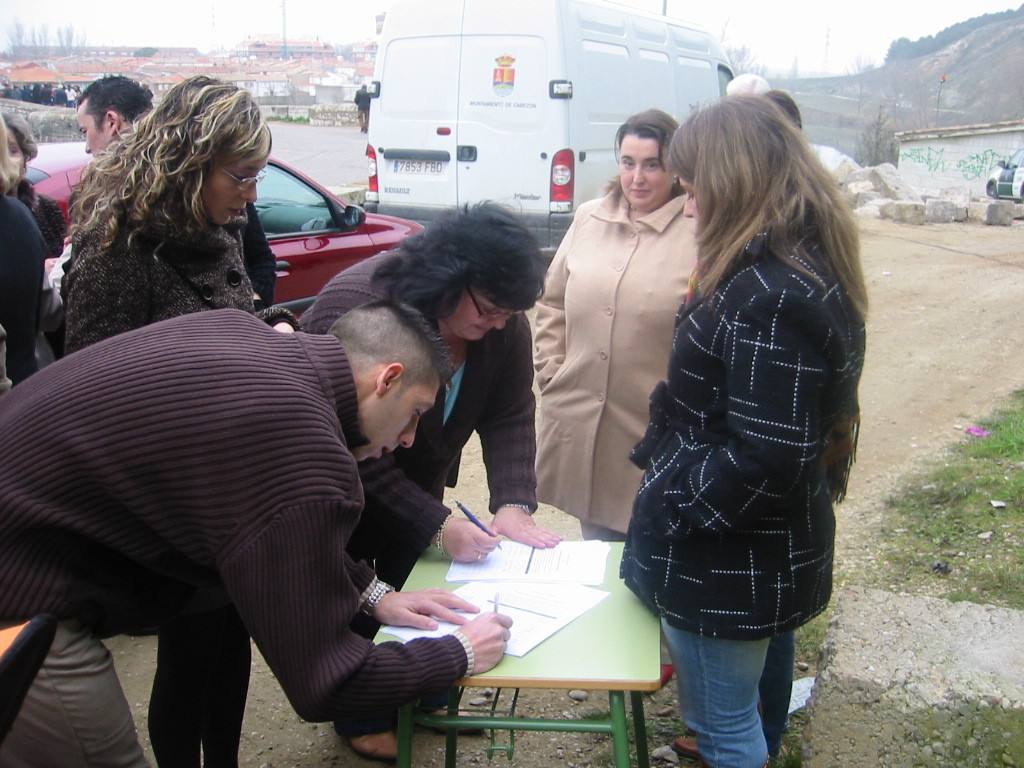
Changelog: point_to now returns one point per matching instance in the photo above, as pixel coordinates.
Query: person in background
(158, 234)
(752, 435)
(22, 253)
(619, 276)
(21, 145)
(108, 107)
(22, 148)
(473, 273)
(362, 101)
(159, 500)
(747, 84)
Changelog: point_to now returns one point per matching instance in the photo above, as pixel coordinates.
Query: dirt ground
(947, 302)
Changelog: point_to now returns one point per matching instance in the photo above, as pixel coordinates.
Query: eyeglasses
(247, 181)
(490, 314)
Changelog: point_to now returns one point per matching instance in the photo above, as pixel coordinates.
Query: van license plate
(419, 167)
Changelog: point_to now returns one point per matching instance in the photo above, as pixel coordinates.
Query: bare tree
(17, 37)
(877, 143)
(743, 60)
(861, 64)
(40, 36)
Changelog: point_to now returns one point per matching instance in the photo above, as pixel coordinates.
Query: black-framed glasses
(247, 181)
(489, 314)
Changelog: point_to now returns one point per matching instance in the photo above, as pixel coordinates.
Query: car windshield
(34, 175)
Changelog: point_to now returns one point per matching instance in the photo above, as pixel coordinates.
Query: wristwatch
(374, 594)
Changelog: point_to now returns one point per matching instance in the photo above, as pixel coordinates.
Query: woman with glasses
(604, 329)
(157, 232)
(473, 272)
(752, 434)
(158, 221)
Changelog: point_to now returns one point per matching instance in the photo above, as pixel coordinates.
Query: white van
(518, 102)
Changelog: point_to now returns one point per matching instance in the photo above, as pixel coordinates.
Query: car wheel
(990, 189)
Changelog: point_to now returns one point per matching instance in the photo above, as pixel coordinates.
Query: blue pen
(475, 520)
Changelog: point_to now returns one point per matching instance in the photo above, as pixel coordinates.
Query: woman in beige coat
(604, 330)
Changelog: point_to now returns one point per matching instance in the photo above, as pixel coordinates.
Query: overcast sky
(776, 32)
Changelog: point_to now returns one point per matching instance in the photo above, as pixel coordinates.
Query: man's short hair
(121, 94)
(385, 332)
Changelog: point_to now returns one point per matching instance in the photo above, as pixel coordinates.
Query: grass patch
(943, 536)
(289, 119)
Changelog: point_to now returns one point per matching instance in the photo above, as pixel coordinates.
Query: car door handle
(465, 153)
(282, 265)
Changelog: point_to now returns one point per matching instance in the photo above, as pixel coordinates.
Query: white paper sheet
(577, 562)
(537, 610)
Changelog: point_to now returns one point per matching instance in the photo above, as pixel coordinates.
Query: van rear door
(413, 121)
(509, 126)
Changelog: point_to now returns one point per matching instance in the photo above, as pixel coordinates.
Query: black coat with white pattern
(732, 530)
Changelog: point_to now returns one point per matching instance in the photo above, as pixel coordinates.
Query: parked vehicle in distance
(519, 102)
(1007, 180)
(314, 234)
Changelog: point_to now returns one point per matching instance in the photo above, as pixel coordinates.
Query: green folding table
(613, 647)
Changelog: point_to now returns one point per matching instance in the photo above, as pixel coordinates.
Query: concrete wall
(934, 164)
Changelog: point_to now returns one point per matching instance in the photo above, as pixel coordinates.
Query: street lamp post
(938, 97)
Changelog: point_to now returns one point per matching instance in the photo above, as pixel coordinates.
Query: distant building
(960, 157)
(275, 48)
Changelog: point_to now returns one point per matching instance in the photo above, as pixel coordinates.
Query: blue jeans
(718, 695)
(775, 689)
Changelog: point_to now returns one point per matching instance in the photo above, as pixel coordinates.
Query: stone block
(885, 180)
(913, 681)
(997, 213)
(939, 211)
(903, 211)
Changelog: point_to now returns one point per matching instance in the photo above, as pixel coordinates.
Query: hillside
(984, 82)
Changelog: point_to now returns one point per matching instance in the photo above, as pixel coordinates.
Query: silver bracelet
(525, 507)
(468, 648)
(440, 534)
(373, 594)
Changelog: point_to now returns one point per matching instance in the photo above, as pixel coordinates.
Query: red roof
(33, 73)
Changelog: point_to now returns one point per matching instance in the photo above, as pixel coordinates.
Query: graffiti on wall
(978, 164)
(974, 166)
(933, 159)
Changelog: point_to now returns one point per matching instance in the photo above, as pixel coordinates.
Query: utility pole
(284, 30)
(938, 96)
(664, 7)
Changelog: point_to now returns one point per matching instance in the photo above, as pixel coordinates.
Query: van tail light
(563, 173)
(371, 163)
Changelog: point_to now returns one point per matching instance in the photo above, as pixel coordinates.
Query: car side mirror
(352, 217)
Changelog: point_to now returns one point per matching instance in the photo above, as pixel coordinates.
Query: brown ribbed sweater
(205, 450)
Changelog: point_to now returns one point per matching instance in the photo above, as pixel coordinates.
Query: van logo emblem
(504, 75)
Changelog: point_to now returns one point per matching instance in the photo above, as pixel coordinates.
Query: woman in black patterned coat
(752, 434)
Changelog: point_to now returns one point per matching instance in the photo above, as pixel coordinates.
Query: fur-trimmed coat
(733, 529)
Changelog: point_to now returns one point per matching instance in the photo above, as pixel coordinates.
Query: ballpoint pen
(476, 521)
(497, 599)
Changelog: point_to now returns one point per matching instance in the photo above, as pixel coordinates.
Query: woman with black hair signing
(473, 273)
(752, 435)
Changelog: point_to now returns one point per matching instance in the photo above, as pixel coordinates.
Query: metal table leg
(643, 760)
(620, 730)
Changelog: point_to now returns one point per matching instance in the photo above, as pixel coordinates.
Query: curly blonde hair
(153, 178)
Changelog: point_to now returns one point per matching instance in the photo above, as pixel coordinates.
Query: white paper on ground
(801, 693)
(577, 562)
(537, 610)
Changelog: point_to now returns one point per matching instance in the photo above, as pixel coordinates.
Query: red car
(313, 234)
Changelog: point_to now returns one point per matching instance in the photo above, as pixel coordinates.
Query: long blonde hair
(10, 172)
(153, 178)
(752, 171)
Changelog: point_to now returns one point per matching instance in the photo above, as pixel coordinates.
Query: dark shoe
(686, 746)
(667, 670)
(382, 747)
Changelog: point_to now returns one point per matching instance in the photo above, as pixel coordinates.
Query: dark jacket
(48, 216)
(732, 530)
(260, 262)
(163, 490)
(161, 275)
(404, 489)
(22, 253)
